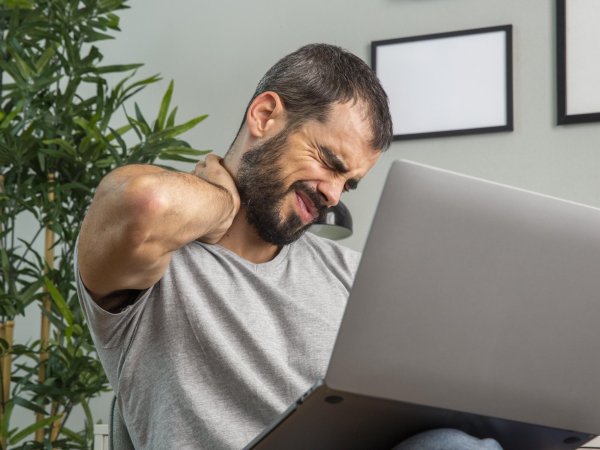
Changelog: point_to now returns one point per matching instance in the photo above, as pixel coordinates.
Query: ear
(266, 115)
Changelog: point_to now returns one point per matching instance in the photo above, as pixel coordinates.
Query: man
(211, 310)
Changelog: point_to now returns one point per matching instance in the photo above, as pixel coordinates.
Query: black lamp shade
(337, 223)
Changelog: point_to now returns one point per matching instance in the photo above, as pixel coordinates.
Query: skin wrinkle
(337, 165)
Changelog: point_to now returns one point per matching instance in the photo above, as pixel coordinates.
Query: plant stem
(28, 249)
(2, 400)
(46, 304)
(6, 333)
(64, 417)
(2, 38)
(9, 328)
(57, 424)
(3, 329)
(2, 239)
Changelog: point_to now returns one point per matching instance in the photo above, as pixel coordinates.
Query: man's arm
(141, 214)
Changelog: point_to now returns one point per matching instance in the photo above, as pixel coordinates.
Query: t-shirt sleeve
(109, 330)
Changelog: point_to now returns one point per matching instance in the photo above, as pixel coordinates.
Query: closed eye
(334, 163)
(350, 185)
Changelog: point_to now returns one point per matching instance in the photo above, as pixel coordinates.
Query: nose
(331, 191)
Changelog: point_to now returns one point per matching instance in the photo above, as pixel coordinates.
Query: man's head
(316, 76)
(315, 125)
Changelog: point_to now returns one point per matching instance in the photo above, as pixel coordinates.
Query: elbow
(136, 203)
(146, 207)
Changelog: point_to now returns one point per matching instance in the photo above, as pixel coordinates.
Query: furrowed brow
(333, 160)
(338, 165)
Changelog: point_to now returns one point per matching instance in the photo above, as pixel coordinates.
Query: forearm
(168, 209)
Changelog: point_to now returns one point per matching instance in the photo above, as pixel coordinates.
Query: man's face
(263, 191)
(287, 182)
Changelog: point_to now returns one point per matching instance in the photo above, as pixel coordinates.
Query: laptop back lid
(477, 297)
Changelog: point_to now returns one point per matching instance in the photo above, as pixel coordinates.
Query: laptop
(476, 306)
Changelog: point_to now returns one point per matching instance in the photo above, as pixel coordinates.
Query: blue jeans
(446, 439)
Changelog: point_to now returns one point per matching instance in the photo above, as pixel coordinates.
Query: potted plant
(57, 140)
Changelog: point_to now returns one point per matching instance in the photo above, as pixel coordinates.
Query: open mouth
(308, 211)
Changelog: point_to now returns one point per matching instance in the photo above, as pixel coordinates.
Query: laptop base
(328, 419)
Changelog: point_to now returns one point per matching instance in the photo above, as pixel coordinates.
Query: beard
(262, 193)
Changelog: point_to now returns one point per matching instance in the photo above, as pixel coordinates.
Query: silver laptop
(476, 306)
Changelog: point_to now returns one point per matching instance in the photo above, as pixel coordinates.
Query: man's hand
(213, 171)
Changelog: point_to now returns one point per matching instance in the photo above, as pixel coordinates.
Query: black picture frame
(578, 62)
(474, 96)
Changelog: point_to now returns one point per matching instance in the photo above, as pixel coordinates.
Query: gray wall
(217, 51)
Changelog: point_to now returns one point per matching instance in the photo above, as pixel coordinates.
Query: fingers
(206, 167)
(213, 170)
(204, 163)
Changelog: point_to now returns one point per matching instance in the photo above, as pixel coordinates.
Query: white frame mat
(448, 83)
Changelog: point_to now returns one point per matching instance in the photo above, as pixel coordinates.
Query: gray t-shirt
(219, 347)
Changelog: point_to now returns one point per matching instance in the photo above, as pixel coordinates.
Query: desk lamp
(337, 223)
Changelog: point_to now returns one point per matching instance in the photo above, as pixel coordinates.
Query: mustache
(317, 199)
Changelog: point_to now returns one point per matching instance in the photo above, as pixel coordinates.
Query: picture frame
(578, 65)
(447, 84)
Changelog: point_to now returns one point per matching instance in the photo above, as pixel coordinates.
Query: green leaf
(32, 429)
(59, 301)
(171, 119)
(66, 146)
(42, 161)
(141, 120)
(88, 127)
(29, 405)
(115, 134)
(24, 64)
(117, 68)
(104, 163)
(45, 58)
(130, 90)
(28, 295)
(92, 35)
(4, 425)
(67, 187)
(185, 151)
(177, 154)
(17, 109)
(89, 418)
(19, 4)
(111, 5)
(177, 130)
(81, 440)
(113, 19)
(164, 107)
(174, 157)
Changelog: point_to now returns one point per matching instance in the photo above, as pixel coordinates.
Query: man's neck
(242, 239)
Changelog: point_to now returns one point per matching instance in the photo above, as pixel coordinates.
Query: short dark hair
(314, 77)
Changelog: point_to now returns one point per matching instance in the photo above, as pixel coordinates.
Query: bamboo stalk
(5, 392)
(46, 305)
(3, 439)
(9, 328)
(56, 426)
(3, 399)
(6, 333)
